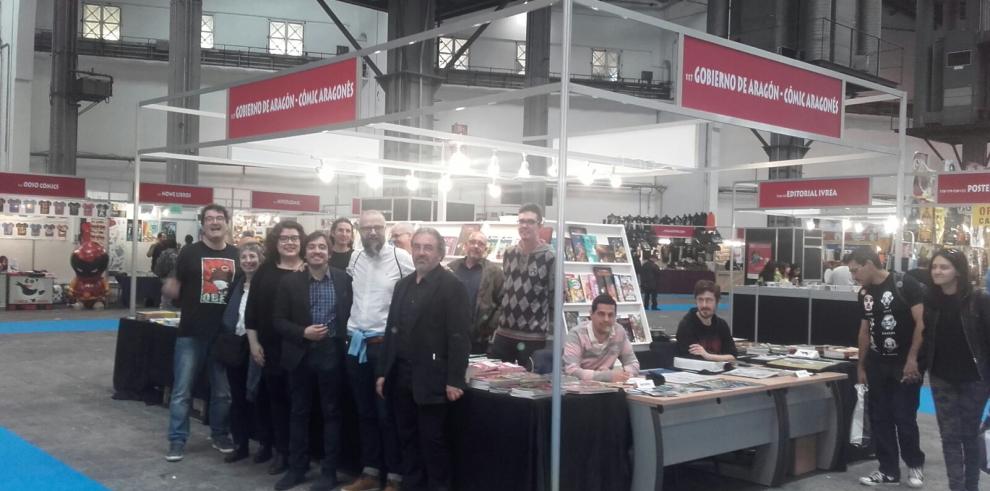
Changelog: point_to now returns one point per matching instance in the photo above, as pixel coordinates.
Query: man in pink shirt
(592, 348)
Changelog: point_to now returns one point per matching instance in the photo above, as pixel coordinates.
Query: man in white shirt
(375, 271)
(840, 274)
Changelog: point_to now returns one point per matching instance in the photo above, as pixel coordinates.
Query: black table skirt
(498, 442)
(682, 281)
(502, 443)
(149, 290)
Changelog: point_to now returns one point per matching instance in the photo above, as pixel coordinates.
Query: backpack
(165, 266)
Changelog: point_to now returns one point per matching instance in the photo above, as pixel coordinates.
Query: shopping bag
(859, 432)
(985, 445)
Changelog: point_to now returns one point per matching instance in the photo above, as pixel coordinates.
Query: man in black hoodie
(702, 334)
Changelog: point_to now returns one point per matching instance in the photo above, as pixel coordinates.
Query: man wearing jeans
(203, 274)
(375, 271)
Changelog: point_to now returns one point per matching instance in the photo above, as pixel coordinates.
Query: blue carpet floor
(24, 466)
(30, 327)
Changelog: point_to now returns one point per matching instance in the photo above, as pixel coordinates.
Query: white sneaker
(916, 477)
(877, 478)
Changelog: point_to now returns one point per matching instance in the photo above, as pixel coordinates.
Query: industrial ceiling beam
(474, 37)
(350, 38)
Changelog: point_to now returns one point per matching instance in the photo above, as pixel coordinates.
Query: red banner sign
(40, 185)
(673, 231)
(319, 96)
(287, 202)
(729, 82)
(964, 188)
(815, 193)
(173, 194)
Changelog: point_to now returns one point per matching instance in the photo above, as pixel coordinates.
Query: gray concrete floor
(56, 390)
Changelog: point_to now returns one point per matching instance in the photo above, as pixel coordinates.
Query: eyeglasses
(376, 229)
(285, 239)
(214, 219)
(527, 221)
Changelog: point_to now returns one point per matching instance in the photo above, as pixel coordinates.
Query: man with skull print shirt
(889, 341)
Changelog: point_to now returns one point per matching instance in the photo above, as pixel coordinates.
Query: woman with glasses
(284, 252)
(957, 320)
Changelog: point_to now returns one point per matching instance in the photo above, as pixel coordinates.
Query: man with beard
(702, 334)
(483, 280)
(203, 274)
(425, 357)
(311, 309)
(375, 271)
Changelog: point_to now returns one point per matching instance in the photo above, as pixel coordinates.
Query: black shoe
(324, 483)
(279, 464)
(263, 455)
(290, 480)
(240, 454)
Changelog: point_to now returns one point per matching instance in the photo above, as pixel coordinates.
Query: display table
(681, 280)
(142, 364)
(149, 290)
(669, 431)
(795, 315)
(502, 442)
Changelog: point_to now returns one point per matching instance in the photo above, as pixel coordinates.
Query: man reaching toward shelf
(702, 334)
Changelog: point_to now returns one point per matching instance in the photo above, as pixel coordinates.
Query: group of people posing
(306, 315)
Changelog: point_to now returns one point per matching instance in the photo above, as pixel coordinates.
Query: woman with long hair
(251, 258)
(284, 250)
(957, 320)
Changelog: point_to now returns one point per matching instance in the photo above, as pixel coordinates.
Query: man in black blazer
(425, 356)
(311, 311)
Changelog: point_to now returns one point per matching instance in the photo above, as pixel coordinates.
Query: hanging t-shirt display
(101, 210)
(887, 307)
(74, 209)
(14, 205)
(88, 209)
(2, 203)
(29, 205)
(22, 229)
(49, 230)
(63, 231)
(8, 228)
(45, 207)
(35, 230)
(60, 207)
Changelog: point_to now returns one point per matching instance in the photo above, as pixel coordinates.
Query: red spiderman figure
(89, 261)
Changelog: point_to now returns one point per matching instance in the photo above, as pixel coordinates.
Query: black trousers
(240, 408)
(959, 409)
(380, 452)
(893, 408)
(271, 410)
(422, 435)
(515, 351)
(650, 299)
(303, 380)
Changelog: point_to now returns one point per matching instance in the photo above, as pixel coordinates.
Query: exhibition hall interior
(547, 245)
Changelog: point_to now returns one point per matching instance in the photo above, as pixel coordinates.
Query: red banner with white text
(42, 185)
(175, 195)
(964, 188)
(319, 96)
(733, 83)
(261, 200)
(815, 193)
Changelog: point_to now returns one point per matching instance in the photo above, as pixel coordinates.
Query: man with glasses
(375, 270)
(527, 294)
(483, 280)
(890, 336)
(203, 274)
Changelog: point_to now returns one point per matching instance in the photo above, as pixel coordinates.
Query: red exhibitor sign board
(673, 231)
(286, 202)
(815, 193)
(319, 96)
(729, 82)
(964, 188)
(178, 195)
(41, 185)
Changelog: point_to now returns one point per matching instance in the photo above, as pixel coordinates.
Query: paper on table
(685, 377)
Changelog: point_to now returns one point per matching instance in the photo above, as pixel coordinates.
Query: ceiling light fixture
(494, 190)
(444, 185)
(493, 165)
(615, 180)
(523, 168)
(412, 182)
(325, 173)
(458, 159)
(374, 178)
(587, 176)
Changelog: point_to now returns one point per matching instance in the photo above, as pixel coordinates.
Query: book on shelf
(639, 333)
(546, 234)
(466, 230)
(575, 292)
(570, 319)
(580, 254)
(606, 283)
(450, 245)
(504, 244)
(626, 326)
(590, 242)
(577, 230)
(605, 253)
(568, 250)
(492, 245)
(618, 249)
(590, 286)
(627, 288)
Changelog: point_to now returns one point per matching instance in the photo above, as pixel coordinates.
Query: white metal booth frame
(565, 89)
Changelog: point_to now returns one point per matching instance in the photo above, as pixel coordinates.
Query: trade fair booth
(307, 121)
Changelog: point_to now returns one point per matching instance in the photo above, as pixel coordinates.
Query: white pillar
(17, 25)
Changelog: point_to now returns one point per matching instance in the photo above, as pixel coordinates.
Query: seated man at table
(702, 334)
(592, 348)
